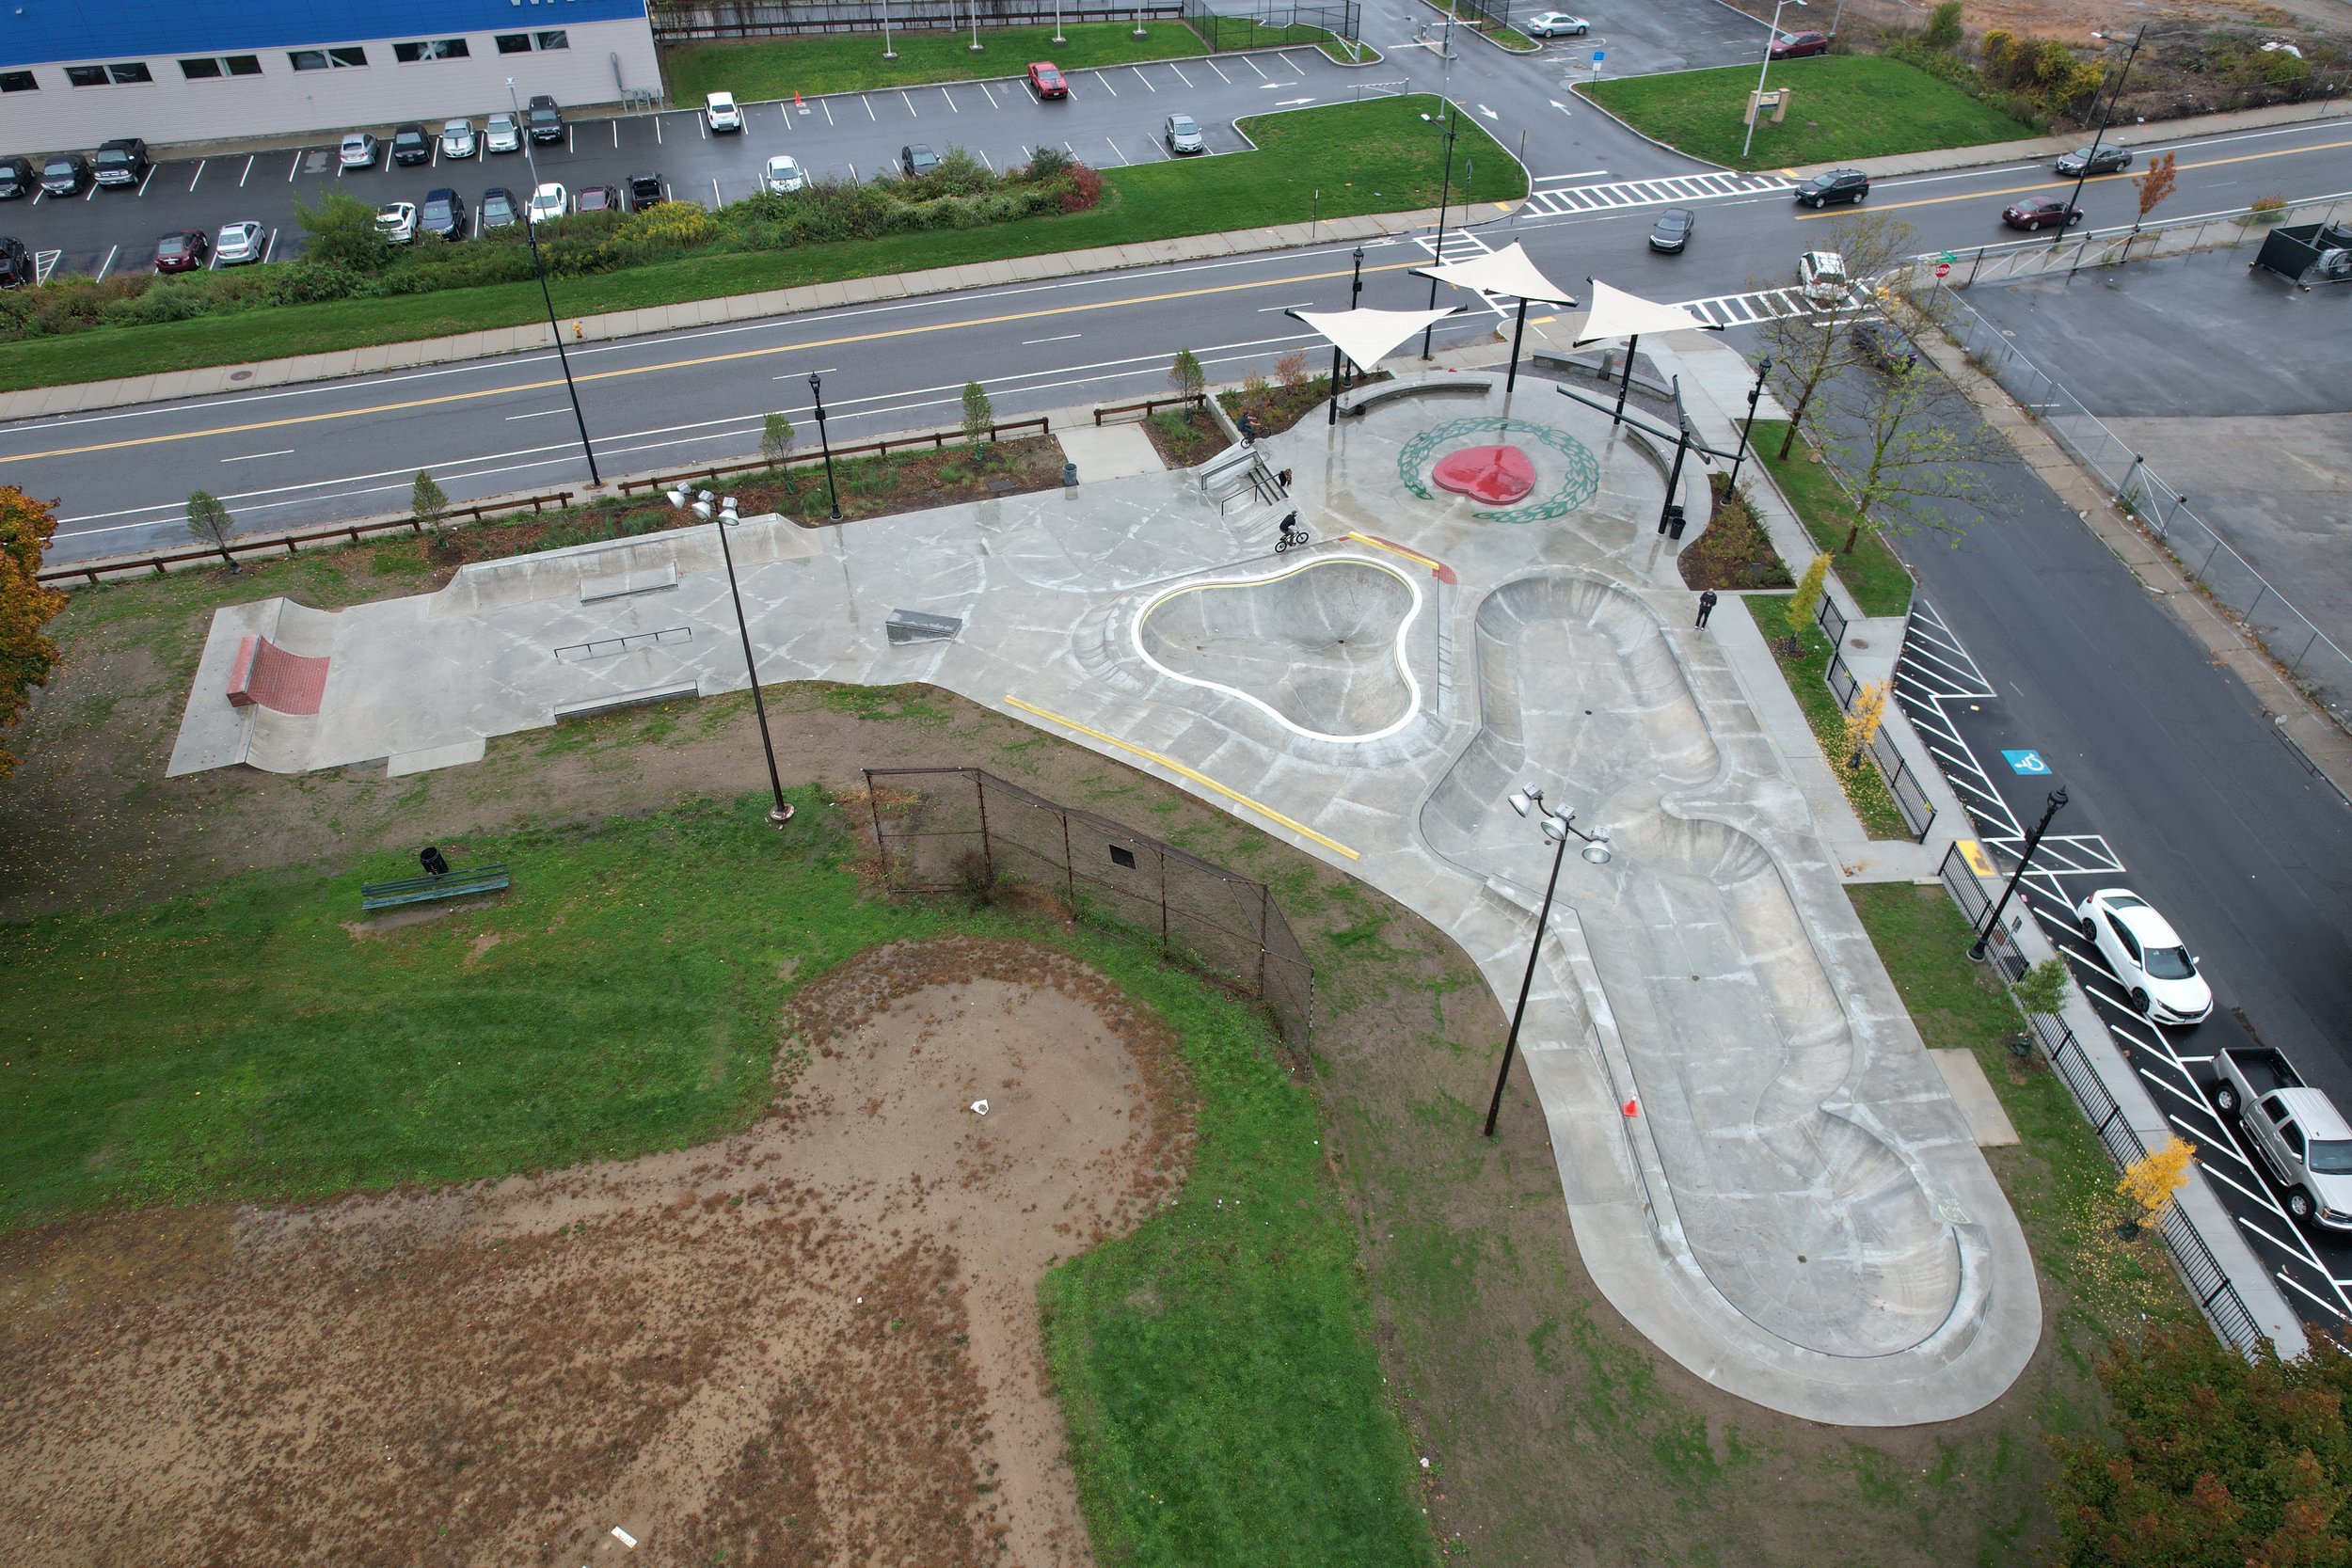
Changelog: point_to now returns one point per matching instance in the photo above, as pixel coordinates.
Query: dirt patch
(1185, 437)
(1733, 551)
(813, 1343)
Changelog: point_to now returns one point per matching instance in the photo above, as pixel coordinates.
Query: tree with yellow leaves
(1863, 721)
(2151, 1181)
(1797, 613)
(25, 607)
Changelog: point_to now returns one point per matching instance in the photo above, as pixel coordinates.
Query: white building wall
(283, 101)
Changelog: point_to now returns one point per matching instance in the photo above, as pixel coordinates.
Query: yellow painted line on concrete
(1429, 561)
(1195, 775)
(2045, 186)
(1973, 852)
(881, 334)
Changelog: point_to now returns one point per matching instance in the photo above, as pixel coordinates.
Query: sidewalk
(2037, 148)
(35, 403)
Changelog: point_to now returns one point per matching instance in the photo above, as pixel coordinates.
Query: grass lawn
(1342, 160)
(239, 1043)
(1806, 675)
(852, 62)
(1877, 581)
(1844, 106)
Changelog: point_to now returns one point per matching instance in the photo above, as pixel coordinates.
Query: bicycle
(1293, 537)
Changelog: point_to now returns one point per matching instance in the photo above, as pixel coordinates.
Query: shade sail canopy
(1368, 336)
(1618, 314)
(1506, 272)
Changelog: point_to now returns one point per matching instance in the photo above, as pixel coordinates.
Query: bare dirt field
(813, 1342)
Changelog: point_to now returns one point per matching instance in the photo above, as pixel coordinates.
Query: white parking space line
(656, 130)
(1221, 73)
(92, 194)
(870, 115)
(1114, 147)
(1180, 75)
(151, 174)
(2286, 1280)
(294, 168)
(199, 175)
(1253, 65)
(2239, 1188)
(910, 104)
(617, 134)
(270, 248)
(854, 176)
(984, 163)
(1145, 79)
(991, 97)
(2175, 1093)
(567, 140)
(1106, 84)
(826, 105)
(108, 266)
(716, 199)
(951, 99)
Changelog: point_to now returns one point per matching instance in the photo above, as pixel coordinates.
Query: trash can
(1069, 473)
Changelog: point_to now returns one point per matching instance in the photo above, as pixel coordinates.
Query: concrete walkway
(1763, 1170)
(2038, 148)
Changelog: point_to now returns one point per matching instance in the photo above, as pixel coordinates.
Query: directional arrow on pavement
(1488, 113)
(1562, 108)
(1285, 103)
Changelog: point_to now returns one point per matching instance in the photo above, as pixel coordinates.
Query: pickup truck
(2295, 1130)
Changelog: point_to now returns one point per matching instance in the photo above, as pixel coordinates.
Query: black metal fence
(2192, 1259)
(942, 829)
(676, 22)
(1832, 620)
(1911, 795)
(1270, 23)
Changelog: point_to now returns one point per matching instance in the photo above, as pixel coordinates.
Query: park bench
(1354, 404)
(428, 890)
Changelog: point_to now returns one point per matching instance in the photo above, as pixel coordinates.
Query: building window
(199, 71)
(327, 59)
(556, 40)
(513, 43)
(18, 81)
(523, 44)
(135, 71)
(86, 75)
(430, 49)
(243, 65)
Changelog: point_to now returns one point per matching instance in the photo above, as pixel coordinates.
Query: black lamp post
(1355, 288)
(781, 811)
(1559, 827)
(1763, 368)
(1445, 194)
(2074, 201)
(817, 390)
(538, 265)
(2033, 842)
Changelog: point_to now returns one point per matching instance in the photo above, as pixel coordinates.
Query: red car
(183, 252)
(2041, 212)
(1045, 80)
(1796, 46)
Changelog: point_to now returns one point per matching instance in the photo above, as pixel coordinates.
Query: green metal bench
(429, 890)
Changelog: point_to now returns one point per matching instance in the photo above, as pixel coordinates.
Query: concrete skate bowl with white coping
(1320, 647)
(1804, 1219)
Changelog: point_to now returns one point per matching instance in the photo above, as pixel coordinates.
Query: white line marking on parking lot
(92, 193)
(716, 199)
(256, 457)
(108, 266)
(1122, 157)
(1145, 79)
(248, 170)
(1106, 84)
(1066, 337)
(950, 97)
(656, 130)
(991, 167)
(271, 246)
(199, 175)
(869, 108)
(294, 168)
(910, 104)
(991, 97)
(1180, 75)
(1253, 65)
(151, 174)
(2286, 1280)
(1221, 73)
(616, 133)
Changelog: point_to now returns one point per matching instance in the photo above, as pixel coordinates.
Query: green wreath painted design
(1581, 484)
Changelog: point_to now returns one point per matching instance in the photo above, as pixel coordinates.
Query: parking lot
(1112, 118)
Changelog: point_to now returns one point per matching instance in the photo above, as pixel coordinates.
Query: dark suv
(65, 174)
(122, 162)
(644, 190)
(17, 178)
(544, 121)
(16, 267)
(410, 144)
(1883, 346)
(1838, 184)
(443, 214)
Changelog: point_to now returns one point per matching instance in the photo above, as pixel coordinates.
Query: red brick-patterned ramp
(266, 675)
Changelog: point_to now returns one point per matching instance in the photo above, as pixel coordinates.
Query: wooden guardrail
(935, 439)
(86, 571)
(1149, 406)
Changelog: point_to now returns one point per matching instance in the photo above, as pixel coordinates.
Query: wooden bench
(432, 890)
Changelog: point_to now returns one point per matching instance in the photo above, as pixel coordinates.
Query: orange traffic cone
(798, 105)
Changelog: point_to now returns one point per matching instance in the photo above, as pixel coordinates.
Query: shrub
(1944, 25)
(1998, 49)
(1291, 369)
(672, 226)
(1085, 190)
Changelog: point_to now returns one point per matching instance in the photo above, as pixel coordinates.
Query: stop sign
(1943, 269)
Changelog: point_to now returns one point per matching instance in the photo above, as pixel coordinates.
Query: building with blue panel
(77, 72)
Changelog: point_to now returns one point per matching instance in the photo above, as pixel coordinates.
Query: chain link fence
(946, 829)
(690, 23)
(1225, 26)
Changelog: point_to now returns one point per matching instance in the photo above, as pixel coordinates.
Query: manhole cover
(240, 375)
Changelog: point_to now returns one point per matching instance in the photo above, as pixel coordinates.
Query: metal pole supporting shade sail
(1367, 336)
(1507, 272)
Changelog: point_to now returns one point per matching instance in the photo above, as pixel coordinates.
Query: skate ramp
(1801, 1216)
(1321, 646)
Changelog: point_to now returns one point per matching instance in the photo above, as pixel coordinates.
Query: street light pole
(781, 811)
(817, 390)
(1763, 368)
(538, 265)
(890, 54)
(1445, 194)
(1559, 827)
(2073, 202)
(2033, 842)
(1770, 39)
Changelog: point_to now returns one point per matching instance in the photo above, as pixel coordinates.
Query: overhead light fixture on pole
(1770, 39)
(539, 265)
(2073, 202)
(1763, 368)
(1559, 827)
(700, 504)
(817, 390)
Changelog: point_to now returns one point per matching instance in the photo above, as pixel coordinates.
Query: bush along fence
(2192, 1257)
(1902, 782)
(962, 829)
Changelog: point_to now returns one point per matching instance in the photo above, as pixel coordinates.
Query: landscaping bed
(1185, 437)
(1733, 551)
(1806, 673)
(1844, 106)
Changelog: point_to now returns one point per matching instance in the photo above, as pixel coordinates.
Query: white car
(723, 113)
(1555, 24)
(397, 221)
(239, 243)
(1821, 279)
(359, 150)
(548, 201)
(784, 175)
(502, 132)
(458, 140)
(2147, 956)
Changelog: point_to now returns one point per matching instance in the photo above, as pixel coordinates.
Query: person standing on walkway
(1707, 606)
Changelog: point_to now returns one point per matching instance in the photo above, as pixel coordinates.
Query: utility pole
(2074, 201)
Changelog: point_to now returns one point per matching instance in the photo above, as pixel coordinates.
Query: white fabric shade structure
(1507, 272)
(1367, 337)
(1618, 314)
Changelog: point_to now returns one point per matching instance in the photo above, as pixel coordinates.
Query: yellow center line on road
(2104, 178)
(802, 347)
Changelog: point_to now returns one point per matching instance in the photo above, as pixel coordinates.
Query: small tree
(1801, 603)
(1187, 376)
(1905, 451)
(1944, 25)
(978, 416)
(341, 231)
(2150, 1182)
(1291, 369)
(1863, 721)
(2042, 991)
(426, 503)
(775, 440)
(1810, 347)
(210, 523)
(2156, 185)
(26, 605)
